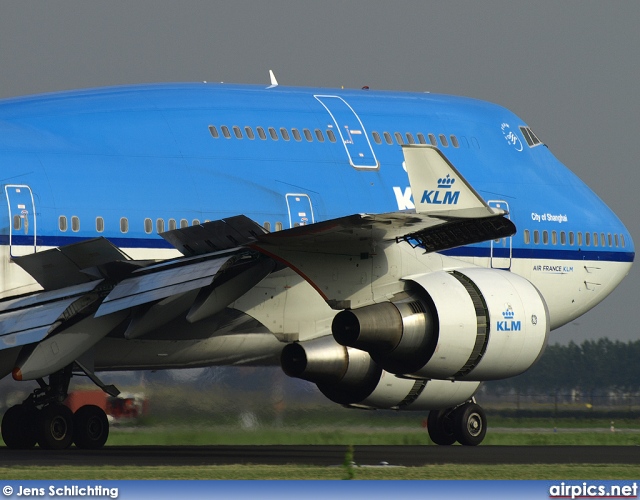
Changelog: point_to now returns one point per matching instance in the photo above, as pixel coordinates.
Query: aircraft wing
(100, 295)
(355, 233)
(96, 284)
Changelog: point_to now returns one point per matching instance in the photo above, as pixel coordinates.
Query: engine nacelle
(469, 324)
(350, 377)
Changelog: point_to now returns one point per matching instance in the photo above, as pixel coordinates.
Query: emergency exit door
(22, 219)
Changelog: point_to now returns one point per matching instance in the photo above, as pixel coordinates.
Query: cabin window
(284, 133)
(267, 226)
(261, 133)
(536, 237)
(172, 224)
(148, 226)
(387, 138)
(554, 238)
(331, 135)
(99, 224)
(160, 226)
(213, 131)
(527, 237)
(237, 132)
(225, 132)
(410, 138)
(124, 225)
(595, 239)
(545, 237)
(563, 238)
(296, 134)
(17, 222)
(579, 238)
(376, 137)
(398, 138)
(622, 240)
(195, 222)
(432, 140)
(602, 240)
(278, 226)
(273, 134)
(62, 223)
(307, 134)
(249, 133)
(454, 141)
(319, 135)
(443, 141)
(616, 239)
(610, 239)
(184, 223)
(421, 138)
(572, 240)
(75, 224)
(587, 239)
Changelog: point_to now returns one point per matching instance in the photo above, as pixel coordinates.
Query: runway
(322, 455)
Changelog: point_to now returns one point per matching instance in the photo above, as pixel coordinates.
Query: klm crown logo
(446, 182)
(509, 324)
(443, 195)
(508, 314)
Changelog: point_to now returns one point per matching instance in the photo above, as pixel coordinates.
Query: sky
(569, 68)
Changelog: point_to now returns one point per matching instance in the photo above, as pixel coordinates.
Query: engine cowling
(469, 324)
(350, 377)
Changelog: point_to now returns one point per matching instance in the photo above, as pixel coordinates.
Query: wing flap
(28, 319)
(159, 285)
(70, 265)
(214, 236)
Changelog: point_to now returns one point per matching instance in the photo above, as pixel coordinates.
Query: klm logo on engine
(509, 324)
(444, 195)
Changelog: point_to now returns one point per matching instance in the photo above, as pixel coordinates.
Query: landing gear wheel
(55, 427)
(469, 424)
(90, 427)
(19, 426)
(440, 427)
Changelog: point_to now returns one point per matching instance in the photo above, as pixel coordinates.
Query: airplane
(396, 249)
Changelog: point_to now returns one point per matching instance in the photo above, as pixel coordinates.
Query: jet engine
(350, 377)
(469, 324)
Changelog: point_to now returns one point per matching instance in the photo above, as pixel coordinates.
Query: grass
(173, 435)
(446, 471)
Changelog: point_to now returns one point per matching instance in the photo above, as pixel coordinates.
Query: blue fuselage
(126, 163)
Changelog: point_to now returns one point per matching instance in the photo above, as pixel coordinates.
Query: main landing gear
(466, 424)
(43, 419)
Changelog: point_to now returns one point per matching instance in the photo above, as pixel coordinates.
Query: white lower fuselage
(294, 311)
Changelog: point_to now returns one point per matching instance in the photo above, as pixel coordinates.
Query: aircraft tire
(55, 427)
(440, 427)
(91, 427)
(19, 427)
(469, 424)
